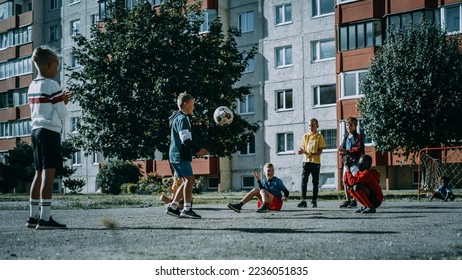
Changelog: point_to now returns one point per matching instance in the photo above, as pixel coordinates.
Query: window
(17, 128)
(54, 4)
(95, 158)
(54, 33)
(74, 125)
(247, 105)
(6, 40)
(248, 182)
(327, 180)
(284, 56)
(285, 143)
(20, 97)
(75, 62)
(16, 67)
(22, 35)
(245, 22)
(76, 158)
(330, 137)
(95, 19)
(323, 7)
(350, 83)
(209, 17)
(324, 95)
(249, 148)
(73, 2)
(75, 27)
(284, 100)
(402, 21)
(283, 14)
(360, 35)
(250, 64)
(324, 49)
(6, 10)
(452, 16)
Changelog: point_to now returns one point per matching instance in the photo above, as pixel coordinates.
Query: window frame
(248, 147)
(247, 187)
(284, 92)
(283, 19)
(74, 31)
(444, 17)
(284, 51)
(316, 50)
(246, 102)
(334, 142)
(318, 12)
(357, 94)
(246, 16)
(317, 96)
(287, 149)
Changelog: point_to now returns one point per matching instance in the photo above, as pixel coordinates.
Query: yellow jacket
(311, 143)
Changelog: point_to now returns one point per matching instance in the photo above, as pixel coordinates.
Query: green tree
(135, 67)
(413, 91)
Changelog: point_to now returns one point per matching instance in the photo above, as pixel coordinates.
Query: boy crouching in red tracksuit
(364, 185)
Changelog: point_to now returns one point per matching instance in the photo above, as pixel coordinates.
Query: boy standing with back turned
(48, 112)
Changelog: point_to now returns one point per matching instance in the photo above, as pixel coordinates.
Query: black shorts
(47, 149)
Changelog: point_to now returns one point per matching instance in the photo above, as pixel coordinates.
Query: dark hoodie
(367, 178)
(180, 151)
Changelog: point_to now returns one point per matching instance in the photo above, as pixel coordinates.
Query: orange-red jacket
(366, 178)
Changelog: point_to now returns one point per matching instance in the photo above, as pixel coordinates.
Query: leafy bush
(114, 174)
(74, 185)
(130, 188)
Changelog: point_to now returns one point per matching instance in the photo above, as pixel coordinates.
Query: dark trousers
(313, 169)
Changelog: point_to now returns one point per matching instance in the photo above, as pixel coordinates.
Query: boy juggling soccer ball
(48, 112)
(364, 185)
(180, 156)
(268, 192)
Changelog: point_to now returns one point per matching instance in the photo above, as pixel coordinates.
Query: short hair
(367, 159)
(183, 97)
(268, 165)
(42, 55)
(352, 120)
(315, 121)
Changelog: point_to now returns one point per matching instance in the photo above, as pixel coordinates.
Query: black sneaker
(235, 207)
(344, 204)
(263, 208)
(302, 204)
(51, 224)
(173, 212)
(32, 222)
(368, 210)
(352, 204)
(189, 214)
(314, 204)
(359, 210)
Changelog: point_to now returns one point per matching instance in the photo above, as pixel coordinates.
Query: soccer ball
(223, 116)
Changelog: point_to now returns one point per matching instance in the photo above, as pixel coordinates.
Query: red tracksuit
(368, 179)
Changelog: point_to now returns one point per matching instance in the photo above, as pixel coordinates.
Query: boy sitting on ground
(268, 192)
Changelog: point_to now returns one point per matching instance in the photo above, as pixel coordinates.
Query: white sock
(174, 204)
(187, 206)
(34, 208)
(45, 211)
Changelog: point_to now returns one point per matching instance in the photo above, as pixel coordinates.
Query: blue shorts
(183, 169)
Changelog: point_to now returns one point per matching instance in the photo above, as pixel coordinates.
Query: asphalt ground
(403, 229)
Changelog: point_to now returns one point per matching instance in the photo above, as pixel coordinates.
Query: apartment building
(293, 80)
(360, 30)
